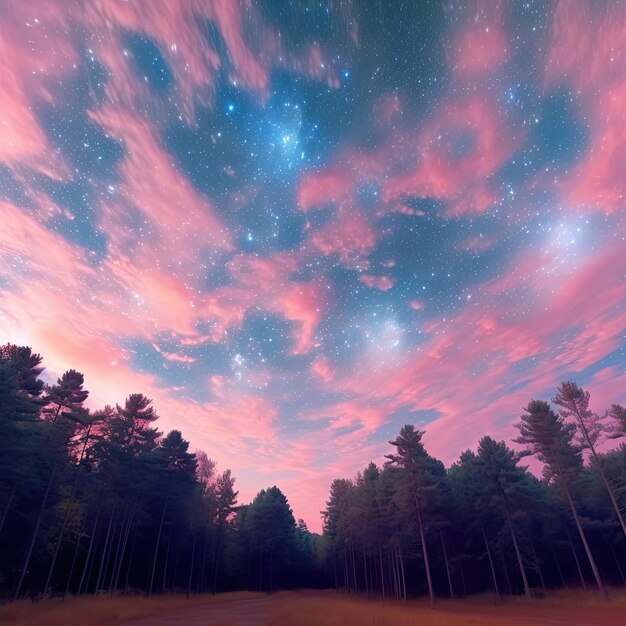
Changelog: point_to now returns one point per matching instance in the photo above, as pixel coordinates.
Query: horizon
(298, 231)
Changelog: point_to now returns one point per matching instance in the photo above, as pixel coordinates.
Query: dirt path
(237, 613)
(320, 609)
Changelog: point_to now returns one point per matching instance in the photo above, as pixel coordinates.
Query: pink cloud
(174, 356)
(175, 212)
(482, 44)
(445, 170)
(35, 53)
(319, 188)
(487, 352)
(477, 243)
(587, 52)
(265, 283)
(388, 109)
(384, 283)
(349, 235)
(302, 304)
(322, 367)
(30, 250)
(178, 28)
(417, 305)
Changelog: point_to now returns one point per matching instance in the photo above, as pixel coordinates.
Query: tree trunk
(493, 569)
(156, 545)
(460, 562)
(365, 570)
(193, 556)
(392, 572)
(559, 570)
(507, 578)
(130, 559)
(67, 510)
(538, 567)
(426, 562)
(216, 559)
(105, 550)
(176, 562)
(125, 543)
(445, 556)
(518, 554)
(56, 550)
(29, 553)
(91, 542)
(592, 448)
(249, 566)
(580, 571)
(619, 567)
(92, 564)
(272, 566)
(7, 507)
(75, 557)
(382, 576)
(167, 560)
(397, 570)
(120, 539)
(353, 566)
(592, 561)
(402, 571)
(203, 568)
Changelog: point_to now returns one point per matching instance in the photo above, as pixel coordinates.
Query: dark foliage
(102, 502)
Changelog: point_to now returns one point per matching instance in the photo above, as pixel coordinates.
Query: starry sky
(298, 225)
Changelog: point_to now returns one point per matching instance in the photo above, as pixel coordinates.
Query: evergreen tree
(418, 484)
(574, 403)
(550, 438)
(502, 484)
(225, 502)
(617, 413)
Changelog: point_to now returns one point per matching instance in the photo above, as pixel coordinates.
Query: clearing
(312, 608)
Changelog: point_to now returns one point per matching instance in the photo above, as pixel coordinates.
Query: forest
(102, 502)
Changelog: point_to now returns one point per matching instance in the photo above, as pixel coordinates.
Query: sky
(297, 226)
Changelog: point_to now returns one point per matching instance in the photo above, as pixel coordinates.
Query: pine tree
(550, 438)
(225, 502)
(618, 414)
(419, 483)
(20, 395)
(502, 487)
(129, 427)
(574, 403)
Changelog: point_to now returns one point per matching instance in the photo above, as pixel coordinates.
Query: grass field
(575, 608)
(88, 611)
(319, 609)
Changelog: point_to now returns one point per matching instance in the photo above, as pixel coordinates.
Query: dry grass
(327, 609)
(93, 611)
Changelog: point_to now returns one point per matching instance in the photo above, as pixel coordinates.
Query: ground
(318, 609)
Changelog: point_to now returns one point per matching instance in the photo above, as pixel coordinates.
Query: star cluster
(298, 226)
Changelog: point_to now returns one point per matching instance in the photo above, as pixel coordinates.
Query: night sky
(297, 226)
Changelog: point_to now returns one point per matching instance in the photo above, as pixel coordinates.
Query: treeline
(487, 524)
(102, 502)
(95, 502)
